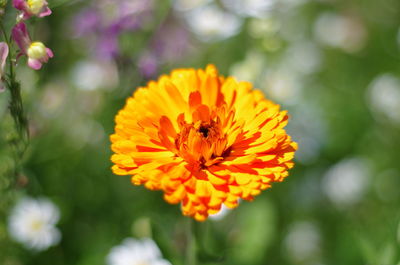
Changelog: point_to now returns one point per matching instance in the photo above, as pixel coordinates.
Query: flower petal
(3, 57)
(34, 64)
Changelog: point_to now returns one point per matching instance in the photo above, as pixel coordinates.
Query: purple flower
(104, 22)
(36, 52)
(86, 22)
(30, 8)
(147, 65)
(171, 42)
(3, 58)
(107, 46)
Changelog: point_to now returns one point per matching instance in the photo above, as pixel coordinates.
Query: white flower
(303, 241)
(250, 8)
(344, 32)
(346, 182)
(210, 23)
(91, 75)
(283, 85)
(32, 223)
(221, 214)
(136, 252)
(304, 57)
(384, 97)
(250, 69)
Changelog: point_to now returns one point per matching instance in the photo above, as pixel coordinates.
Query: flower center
(201, 143)
(37, 51)
(204, 131)
(35, 6)
(36, 225)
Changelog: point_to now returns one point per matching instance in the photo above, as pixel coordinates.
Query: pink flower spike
(3, 58)
(30, 8)
(36, 52)
(20, 35)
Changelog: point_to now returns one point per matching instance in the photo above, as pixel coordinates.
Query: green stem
(191, 249)
(16, 107)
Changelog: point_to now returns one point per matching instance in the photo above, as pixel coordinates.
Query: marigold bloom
(203, 139)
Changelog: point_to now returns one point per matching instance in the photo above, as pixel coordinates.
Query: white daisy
(210, 23)
(32, 223)
(136, 252)
(250, 8)
(302, 242)
(221, 214)
(346, 182)
(90, 75)
(338, 31)
(384, 97)
(250, 69)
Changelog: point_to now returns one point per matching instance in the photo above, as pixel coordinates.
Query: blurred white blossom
(303, 57)
(338, 31)
(92, 75)
(283, 85)
(345, 183)
(261, 27)
(211, 23)
(53, 98)
(384, 97)
(303, 242)
(136, 252)
(250, 68)
(32, 223)
(221, 214)
(250, 8)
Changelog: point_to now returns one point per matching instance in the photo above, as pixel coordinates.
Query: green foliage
(296, 222)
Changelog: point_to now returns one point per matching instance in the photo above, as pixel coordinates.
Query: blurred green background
(335, 65)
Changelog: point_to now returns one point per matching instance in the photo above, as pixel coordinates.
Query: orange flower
(203, 139)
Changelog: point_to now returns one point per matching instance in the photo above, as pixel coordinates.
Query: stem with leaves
(20, 142)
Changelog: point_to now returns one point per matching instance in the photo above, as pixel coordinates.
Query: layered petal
(203, 139)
